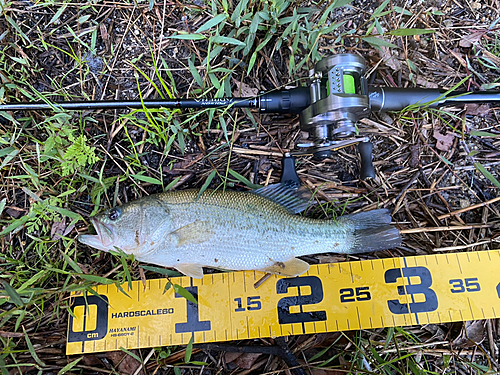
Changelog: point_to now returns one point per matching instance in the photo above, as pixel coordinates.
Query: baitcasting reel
(338, 100)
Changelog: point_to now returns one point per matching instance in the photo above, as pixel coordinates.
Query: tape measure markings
(353, 295)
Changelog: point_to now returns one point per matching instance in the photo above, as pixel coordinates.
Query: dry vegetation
(434, 168)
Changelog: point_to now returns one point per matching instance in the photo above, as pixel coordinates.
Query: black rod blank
(381, 99)
(133, 104)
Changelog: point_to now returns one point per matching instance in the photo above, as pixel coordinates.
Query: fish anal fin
(193, 233)
(292, 267)
(190, 269)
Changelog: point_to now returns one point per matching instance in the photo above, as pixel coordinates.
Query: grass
(60, 168)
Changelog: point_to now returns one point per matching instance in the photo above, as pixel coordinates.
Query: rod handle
(285, 101)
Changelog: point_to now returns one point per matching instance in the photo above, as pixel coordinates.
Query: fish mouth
(102, 240)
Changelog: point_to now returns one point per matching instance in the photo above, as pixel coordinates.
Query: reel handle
(289, 175)
(365, 152)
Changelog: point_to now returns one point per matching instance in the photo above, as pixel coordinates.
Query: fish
(235, 230)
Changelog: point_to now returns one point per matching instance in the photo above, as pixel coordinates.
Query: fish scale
(269, 233)
(234, 230)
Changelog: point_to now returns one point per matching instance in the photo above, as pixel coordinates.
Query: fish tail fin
(372, 231)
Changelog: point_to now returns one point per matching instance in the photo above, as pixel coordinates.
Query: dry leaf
(84, 267)
(183, 165)
(468, 40)
(247, 360)
(444, 142)
(326, 339)
(389, 59)
(104, 32)
(425, 83)
(143, 277)
(15, 212)
(471, 335)
(415, 156)
(477, 109)
(91, 360)
(124, 363)
(246, 90)
(231, 356)
(330, 258)
(318, 371)
(10, 334)
(437, 333)
(386, 54)
(476, 5)
(57, 230)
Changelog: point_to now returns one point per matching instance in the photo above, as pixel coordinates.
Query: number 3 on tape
(430, 302)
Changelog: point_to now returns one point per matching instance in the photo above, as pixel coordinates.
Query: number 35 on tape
(329, 297)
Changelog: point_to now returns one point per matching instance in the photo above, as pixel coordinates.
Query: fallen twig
(442, 229)
(474, 206)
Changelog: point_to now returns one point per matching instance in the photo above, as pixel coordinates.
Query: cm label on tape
(329, 297)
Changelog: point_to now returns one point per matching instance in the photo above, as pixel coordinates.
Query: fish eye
(114, 214)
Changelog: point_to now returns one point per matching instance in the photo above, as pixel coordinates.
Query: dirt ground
(436, 170)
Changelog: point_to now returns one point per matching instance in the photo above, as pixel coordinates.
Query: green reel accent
(349, 84)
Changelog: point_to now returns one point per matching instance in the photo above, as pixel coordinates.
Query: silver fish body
(233, 230)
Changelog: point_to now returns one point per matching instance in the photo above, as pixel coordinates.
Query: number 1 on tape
(329, 297)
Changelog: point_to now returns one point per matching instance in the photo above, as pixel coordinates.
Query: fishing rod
(337, 97)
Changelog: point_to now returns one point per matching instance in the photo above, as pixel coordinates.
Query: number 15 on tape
(329, 297)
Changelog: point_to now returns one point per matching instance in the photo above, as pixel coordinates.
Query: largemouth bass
(233, 230)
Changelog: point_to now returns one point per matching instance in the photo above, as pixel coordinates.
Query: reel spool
(338, 99)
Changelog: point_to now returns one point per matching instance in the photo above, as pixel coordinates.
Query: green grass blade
(32, 349)
(378, 42)
(487, 174)
(184, 293)
(195, 73)
(479, 133)
(96, 279)
(189, 350)
(162, 271)
(136, 357)
(408, 32)
(243, 179)
(12, 293)
(212, 22)
(207, 183)
(148, 179)
(227, 40)
(58, 14)
(188, 36)
(3, 202)
(69, 366)
(172, 184)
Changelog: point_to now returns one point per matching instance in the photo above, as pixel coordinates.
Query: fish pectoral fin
(196, 232)
(190, 269)
(292, 267)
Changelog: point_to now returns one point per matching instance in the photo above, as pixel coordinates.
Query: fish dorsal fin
(193, 233)
(190, 269)
(292, 267)
(294, 200)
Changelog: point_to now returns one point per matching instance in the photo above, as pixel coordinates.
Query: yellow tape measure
(329, 297)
